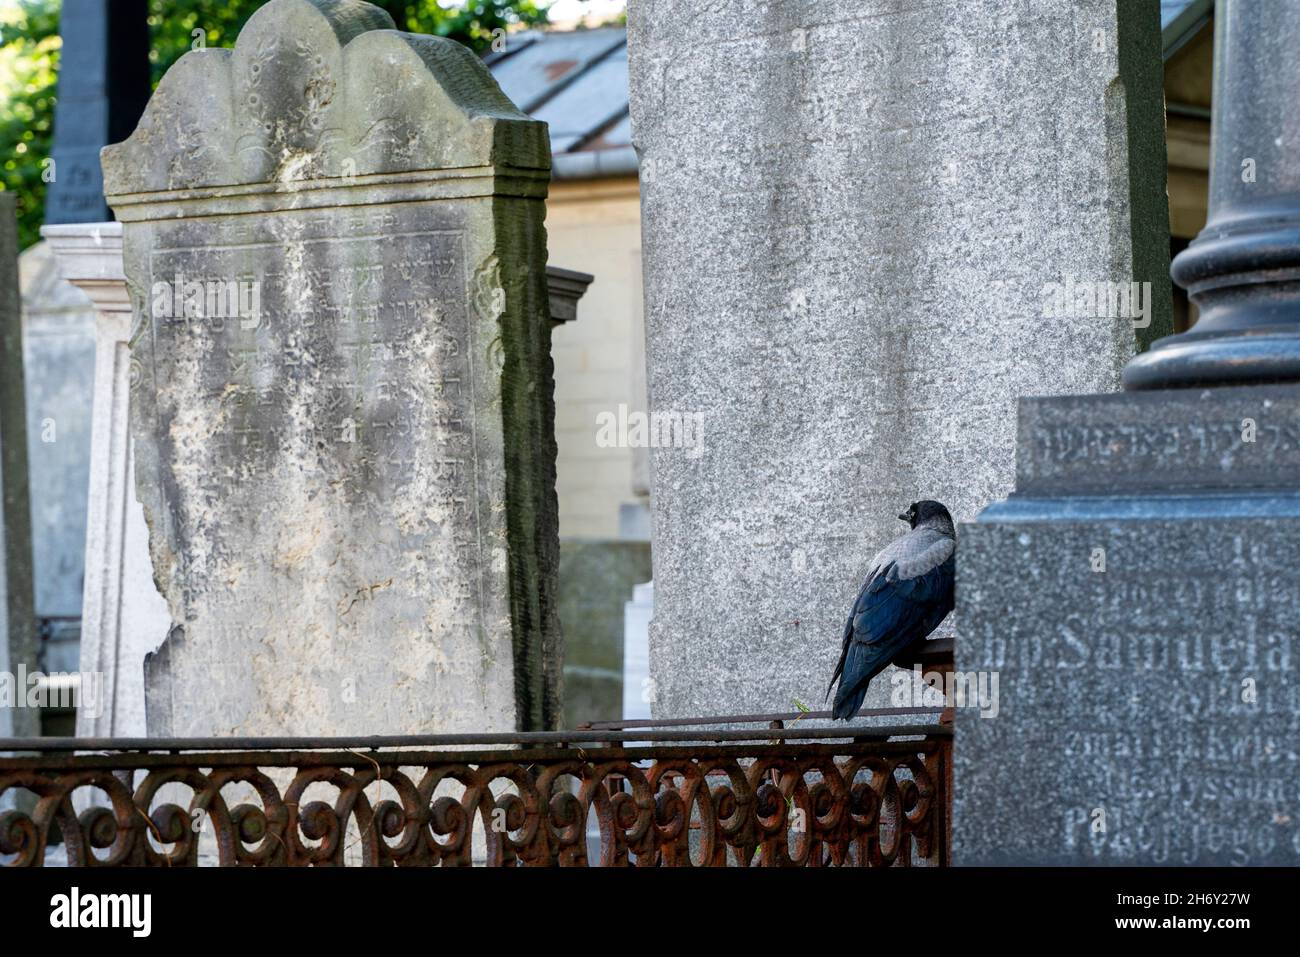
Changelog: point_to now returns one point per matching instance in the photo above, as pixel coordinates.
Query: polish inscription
(1149, 711)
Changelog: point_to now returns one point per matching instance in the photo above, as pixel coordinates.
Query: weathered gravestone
(855, 227)
(17, 622)
(125, 618)
(341, 384)
(1139, 593)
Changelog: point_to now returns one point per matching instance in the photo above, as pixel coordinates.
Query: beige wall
(595, 226)
(1188, 142)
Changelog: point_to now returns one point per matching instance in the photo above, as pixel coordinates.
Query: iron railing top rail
(782, 716)
(384, 762)
(505, 739)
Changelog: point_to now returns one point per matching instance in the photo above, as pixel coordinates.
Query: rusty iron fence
(746, 791)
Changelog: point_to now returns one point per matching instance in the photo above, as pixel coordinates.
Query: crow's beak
(905, 517)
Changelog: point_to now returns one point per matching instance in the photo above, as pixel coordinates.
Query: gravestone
(17, 621)
(1138, 594)
(124, 618)
(855, 232)
(341, 390)
(637, 691)
(595, 577)
(59, 365)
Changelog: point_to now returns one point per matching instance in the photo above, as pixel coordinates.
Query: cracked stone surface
(341, 387)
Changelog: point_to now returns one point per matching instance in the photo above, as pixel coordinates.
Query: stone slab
(596, 579)
(59, 360)
(350, 485)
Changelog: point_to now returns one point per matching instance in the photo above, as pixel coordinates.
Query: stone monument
(341, 388)
(1139, 594)
(854, 233)
(123, 616)
(59, 364)
(102, 92)
(17, 620)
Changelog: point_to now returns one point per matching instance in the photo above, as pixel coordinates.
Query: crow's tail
(849, 700)
(861, 663)
(844, 654)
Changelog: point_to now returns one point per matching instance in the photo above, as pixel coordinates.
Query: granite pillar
(103, 87)
(862, 236)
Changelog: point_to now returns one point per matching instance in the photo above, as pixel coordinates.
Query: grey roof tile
(575, 80)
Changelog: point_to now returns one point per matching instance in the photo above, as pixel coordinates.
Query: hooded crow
(907, 593)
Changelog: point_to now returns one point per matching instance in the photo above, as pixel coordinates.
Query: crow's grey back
(914, 554)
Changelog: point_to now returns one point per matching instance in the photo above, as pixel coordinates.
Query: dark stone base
(1138, 598)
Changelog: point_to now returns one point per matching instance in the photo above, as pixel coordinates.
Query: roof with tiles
(576, 81)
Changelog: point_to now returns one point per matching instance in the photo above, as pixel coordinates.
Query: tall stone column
(123, 617)
(866, 232)
(1138, 595)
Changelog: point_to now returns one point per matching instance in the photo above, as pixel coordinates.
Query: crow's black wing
(891, 612)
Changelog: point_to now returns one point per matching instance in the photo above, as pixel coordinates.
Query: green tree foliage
(29, 59)
(474, 23)
(173, 23)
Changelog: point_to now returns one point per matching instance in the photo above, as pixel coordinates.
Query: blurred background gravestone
(1138, 594)
(344, 450)
(102, 92)
(124, 618)
(594, 577)
(850, 226)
